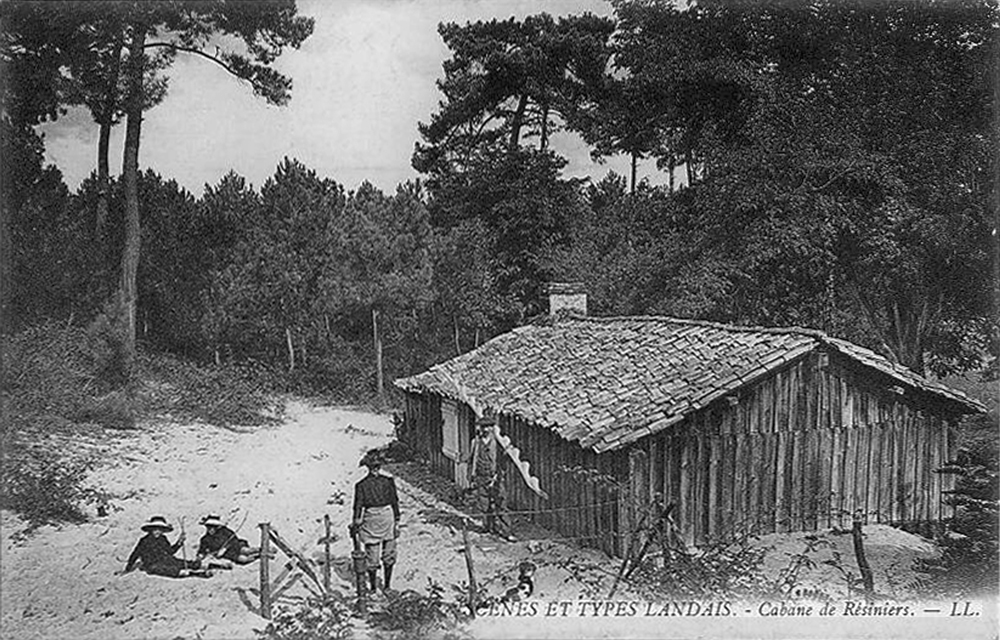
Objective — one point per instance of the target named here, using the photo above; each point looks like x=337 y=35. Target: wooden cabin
x=605 y=421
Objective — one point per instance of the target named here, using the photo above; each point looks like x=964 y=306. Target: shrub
x=970 y=558
x=318 y=618
x=107 y=344
x=224 y=395
x=719 y=569
x=115 y=410
x=413 y=615
x=52 y=373
x=45 y=489
x=47 y=371
x=49 y=382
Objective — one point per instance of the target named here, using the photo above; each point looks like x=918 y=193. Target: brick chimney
x=568 y=297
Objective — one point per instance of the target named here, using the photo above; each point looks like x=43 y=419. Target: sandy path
x=60 y=582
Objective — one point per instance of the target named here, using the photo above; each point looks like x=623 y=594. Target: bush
x=47 y=371
x=115 y=410
x=53 y=374
x=49 y=383
x=224 y=395
x=719 y=569
x=45 y=489
x=970 y=559
x=107 y=343
x=413 y=615
x=316 y=619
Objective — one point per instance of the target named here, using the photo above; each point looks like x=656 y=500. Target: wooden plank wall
x=806 y=448
x=579 y=505
x=423 y=432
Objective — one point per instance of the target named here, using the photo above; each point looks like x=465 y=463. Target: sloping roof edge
x=455 y=390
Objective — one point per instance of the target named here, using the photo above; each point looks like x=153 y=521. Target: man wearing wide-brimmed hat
x=376 y=519
x=155 y=554
x=220 y=547
x=485 y=482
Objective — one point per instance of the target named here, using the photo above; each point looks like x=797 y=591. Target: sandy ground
x=60 y=582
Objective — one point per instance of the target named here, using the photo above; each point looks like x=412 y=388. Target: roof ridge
x=807 y=331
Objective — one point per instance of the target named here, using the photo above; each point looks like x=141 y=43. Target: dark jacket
x=375 y=491
x=483 y=462
x=222 y=539
x=156 y=554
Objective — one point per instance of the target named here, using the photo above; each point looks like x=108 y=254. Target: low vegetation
x=328 y=618
x=411 y=615
x=44 y=488
x=970 y=562
x=61 y=381
x=405 y=615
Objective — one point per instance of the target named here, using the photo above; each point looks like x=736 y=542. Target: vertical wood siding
x=423 y=432
x=810 y=447
x=580 y=504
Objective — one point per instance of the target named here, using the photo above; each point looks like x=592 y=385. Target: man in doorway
x=484 y=476
x=376 y=519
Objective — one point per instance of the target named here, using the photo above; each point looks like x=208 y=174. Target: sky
x=362 y=82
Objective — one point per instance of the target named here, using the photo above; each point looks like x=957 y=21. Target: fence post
x=265 y=569
x=470 y=568
x=326 y=553
x=859 y=553
x=360 y=569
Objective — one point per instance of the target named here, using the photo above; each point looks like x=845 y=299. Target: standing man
x=376 y=519
x=484 y=476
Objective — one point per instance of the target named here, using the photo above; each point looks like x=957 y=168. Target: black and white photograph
x=462 y=319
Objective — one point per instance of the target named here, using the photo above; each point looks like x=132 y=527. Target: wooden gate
x=298 y=567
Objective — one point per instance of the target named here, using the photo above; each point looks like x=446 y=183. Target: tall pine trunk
x=516 y=121
x=635 y=159
x=103 y=142
x=377 y=339
x=6 y=264
x=130 y=179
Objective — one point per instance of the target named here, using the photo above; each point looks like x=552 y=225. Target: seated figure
x=220 y=548
x=154 y=554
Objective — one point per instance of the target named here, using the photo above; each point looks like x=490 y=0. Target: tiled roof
x=606 y=382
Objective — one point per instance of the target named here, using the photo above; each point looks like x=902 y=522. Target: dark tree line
x=109 y=57
x=825 y=164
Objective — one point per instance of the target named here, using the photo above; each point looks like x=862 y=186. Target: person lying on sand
x=154 y=554
x=220 y=547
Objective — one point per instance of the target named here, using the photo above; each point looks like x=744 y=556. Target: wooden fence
x=297 y=567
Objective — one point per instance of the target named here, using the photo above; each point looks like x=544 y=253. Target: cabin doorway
x=457 y=431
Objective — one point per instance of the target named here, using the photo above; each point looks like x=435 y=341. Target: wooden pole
x=291 y=349
x=859 y=553
x=265 y=569
x=470 y=568
x=358 y=556
x=377 y=339
x=326 y=553
x=625 y=563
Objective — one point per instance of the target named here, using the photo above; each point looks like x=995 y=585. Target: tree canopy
x=840 y=161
